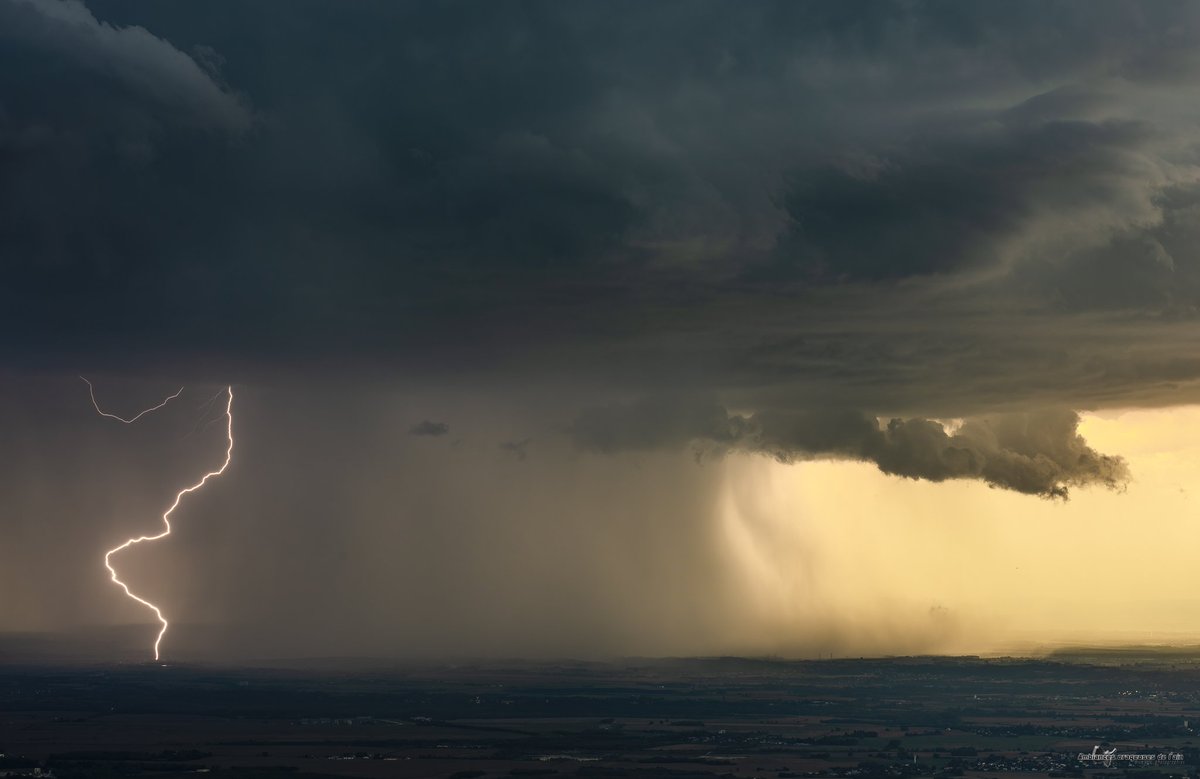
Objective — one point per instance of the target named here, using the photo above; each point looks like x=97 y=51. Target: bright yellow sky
x=882 y=564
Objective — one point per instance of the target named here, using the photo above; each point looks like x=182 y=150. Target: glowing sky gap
x=166 y=517
x=131 y=420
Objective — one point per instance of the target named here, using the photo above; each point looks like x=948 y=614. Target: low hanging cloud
x=1036 y=453
x=427 y=428
x=518 y=449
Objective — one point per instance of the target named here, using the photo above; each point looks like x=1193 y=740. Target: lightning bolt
x=166 y=517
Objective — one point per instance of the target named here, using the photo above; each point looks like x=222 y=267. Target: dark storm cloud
x=136 y=69
x=923 y=210
x=968 y=200
x=1036 y=453
x=428 y=428
x=1143 y=268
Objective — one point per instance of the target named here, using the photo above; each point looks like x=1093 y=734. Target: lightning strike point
x=166 y=517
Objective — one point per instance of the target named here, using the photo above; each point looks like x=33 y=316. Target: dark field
x=634 y=718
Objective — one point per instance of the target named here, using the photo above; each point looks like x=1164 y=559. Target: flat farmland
x=716 y=717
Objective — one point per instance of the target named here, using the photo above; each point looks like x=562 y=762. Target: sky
x=595 y=329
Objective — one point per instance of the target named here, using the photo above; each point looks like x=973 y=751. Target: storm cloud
x=1036 y=453
x=911 y=208
x=149 y=70
x=550 y=190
